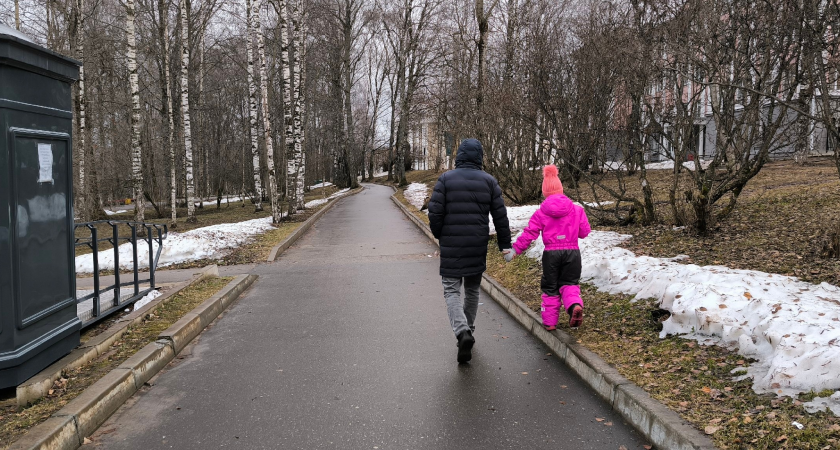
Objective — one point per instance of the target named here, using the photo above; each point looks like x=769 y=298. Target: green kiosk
x=38 y=323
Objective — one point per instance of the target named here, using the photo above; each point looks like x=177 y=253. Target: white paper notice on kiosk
x=45 y=163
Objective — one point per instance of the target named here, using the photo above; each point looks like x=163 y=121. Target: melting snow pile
x=416 y=194
x=321 y=201
x=320 y=185
x=212 y=242
x=111 y=213
x=224 y=201
x=153 y=294
x=518 y=216
x=792 y=328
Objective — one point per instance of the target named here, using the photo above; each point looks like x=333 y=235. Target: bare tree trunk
x=298 y=53
x=201 y=114
x=483 y=27
x=185 y=112
x=136 y=151
x=163 y=12
x=17 y=15
x=252 y=113
x=84 y=207
x=286 y=38
x=269 y=147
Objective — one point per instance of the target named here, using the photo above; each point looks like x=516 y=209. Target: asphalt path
x=344 y=343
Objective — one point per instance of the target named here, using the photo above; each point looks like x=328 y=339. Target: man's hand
x=509 y=254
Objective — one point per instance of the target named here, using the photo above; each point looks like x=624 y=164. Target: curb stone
x=68 y=427
x=663 y=427
x=281 y=247
x=39 y=385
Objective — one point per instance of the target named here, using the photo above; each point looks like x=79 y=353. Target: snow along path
x=416 y=194
x=321 y=201
x=211 y=242
x=791 y=327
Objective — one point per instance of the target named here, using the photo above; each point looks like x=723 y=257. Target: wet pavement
x=344 y=343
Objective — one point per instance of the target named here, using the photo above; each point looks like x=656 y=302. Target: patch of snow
x=819 y=404
x=416 y=194
x=518 y=216
x=320 y=185
x=792 y=328
x=597 y=204
x=111 y=213
x=211 y=242
x=225 y=201
x=153 y=294
x=321 y=201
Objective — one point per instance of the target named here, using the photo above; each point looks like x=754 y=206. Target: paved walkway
x=344 y=343
x=163 y=276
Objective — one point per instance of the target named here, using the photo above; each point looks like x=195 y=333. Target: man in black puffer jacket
x=458 y=216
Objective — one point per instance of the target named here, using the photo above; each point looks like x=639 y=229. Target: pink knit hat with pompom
x=551 y=182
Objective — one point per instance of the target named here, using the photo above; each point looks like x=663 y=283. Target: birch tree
x=185 y=112
x=269 y=147
x=298 y=56
x=79 y=26
x=286 y=73
x=134 y=85
x=168 y=106
x=252 y=113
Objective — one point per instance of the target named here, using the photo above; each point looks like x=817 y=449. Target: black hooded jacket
x=458 y=214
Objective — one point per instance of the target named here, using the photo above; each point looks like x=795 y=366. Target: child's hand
x=509 y=254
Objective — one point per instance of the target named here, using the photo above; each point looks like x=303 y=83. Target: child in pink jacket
x=561 y=223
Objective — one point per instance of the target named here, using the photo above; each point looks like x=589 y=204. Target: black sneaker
x=465 y=344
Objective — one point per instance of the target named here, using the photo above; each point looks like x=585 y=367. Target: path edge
x=67 y=428
x=663 y=427
x=289 y=241
x=39 y=384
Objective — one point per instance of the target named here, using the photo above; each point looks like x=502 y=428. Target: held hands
x=509 y=254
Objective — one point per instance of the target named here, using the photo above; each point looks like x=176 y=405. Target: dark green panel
x=38 y=323
x=42 y=231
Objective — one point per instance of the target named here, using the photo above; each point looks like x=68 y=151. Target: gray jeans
x=461 y=314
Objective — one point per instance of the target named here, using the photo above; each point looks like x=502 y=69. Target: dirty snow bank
x=211 y=242
x=792 y=328
x=416 y=194
x=321 y=201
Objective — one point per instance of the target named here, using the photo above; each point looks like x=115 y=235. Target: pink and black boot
x=550 y=311
x=573 y=304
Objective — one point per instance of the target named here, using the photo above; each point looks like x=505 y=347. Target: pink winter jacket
x=561 y=222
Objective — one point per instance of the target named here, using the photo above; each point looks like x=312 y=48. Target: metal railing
x=113 y=294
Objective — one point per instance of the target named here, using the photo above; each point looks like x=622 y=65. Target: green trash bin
x=38 y=323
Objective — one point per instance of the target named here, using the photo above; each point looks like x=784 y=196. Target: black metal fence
x=91 y=306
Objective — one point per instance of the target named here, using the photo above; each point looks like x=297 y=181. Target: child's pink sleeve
x=531 y=232
x=583 y=229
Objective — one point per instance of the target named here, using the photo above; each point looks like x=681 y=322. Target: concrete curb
x=663 y=427
x=68 y=427
x=281 y=247
x=39 y=385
